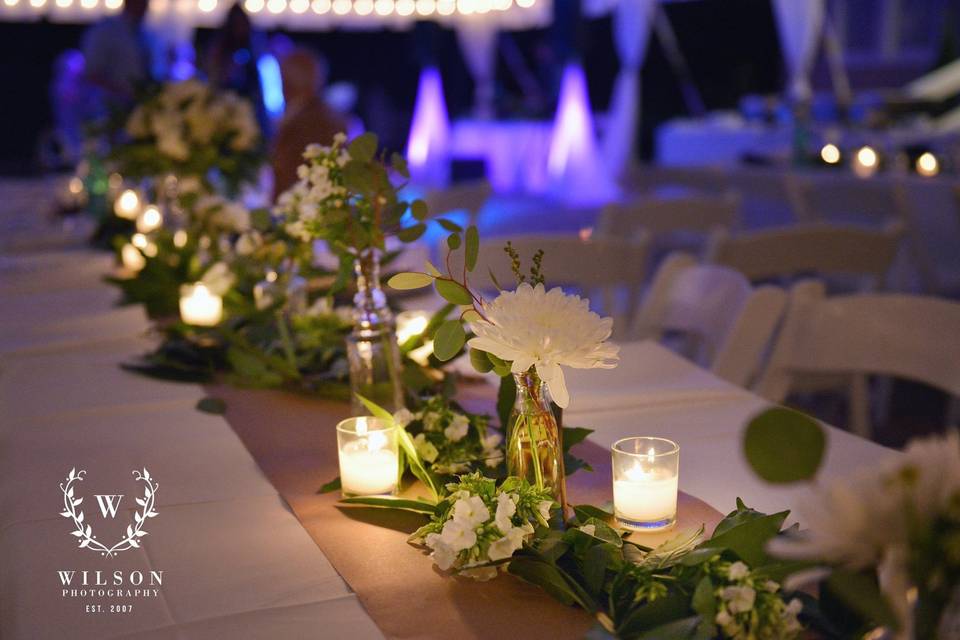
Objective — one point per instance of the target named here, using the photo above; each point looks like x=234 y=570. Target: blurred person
x=117 y=52
x=307 y=118
x=231 y=61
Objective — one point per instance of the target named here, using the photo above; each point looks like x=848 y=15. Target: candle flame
x=650 y=455
x=636 y=474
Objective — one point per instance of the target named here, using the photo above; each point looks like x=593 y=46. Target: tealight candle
x=150 y=219
x=645 y=476
x=414 y=323
x=127 y=205
x=131 y=258
x=200 y=307
x=369 y=460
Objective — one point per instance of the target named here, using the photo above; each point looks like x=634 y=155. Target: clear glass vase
x=534 y=445
x=372 y=349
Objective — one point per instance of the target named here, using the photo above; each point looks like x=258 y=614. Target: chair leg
x=860 y=406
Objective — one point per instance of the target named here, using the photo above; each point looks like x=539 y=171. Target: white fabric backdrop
x=800 y=23
x=632 y=21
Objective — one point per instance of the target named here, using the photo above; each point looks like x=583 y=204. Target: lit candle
x=645 y=480
x=200 y=307
x=369 y=461
x=414 y=323
x=150 y=219
x=131 y=258
x=127 y=205
x=830 y=153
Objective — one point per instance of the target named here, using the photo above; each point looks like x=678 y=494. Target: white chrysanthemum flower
x=533 y=327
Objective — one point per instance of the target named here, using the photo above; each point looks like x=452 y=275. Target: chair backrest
x=663 y=215
x=818 y=248
x=612 y=266
x=843 y=197
x=729 y=322
x=906 y=336
x=463 y=196
x=643 y=178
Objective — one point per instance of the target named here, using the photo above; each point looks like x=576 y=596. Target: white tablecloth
x=236 y=562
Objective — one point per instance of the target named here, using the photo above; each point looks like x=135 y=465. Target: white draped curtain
x=478 y=43
x=632 y=23
x=800 y=23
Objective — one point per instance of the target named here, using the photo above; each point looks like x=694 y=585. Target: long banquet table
x=247 y=547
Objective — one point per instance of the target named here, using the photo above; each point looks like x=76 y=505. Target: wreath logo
x=84 y=532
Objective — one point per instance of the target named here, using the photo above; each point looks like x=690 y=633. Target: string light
x=254 y=6
x=830 y=153
x=341 y=7
x=426 y=7
x=63 y=4
x=207 y=5
x=320 y=6
x=446 y=7
x=405 y=7
x=113 y=4
x=363 y=7
x=11 y=3
x=525 y=4
x=37 y=4
x=927 y=165
x=383 y=7
x=276 y=6
x=88 y=4
x=299 y=6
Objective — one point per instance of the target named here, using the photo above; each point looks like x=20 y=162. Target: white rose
x=457 y=429
x=458 y=537
x=471 y=512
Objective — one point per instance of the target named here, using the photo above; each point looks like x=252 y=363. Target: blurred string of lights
x=865 y=161
x=294 y=14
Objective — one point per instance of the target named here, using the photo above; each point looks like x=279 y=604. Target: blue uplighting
x=271 y=84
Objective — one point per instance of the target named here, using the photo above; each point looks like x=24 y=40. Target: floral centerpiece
x=186 y=129
x=346 y=196
x=528 y=335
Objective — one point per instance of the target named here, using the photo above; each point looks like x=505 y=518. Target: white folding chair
x=611 y=266
x=699 y=213
x=912 y=337
x=464 y=196
x=845 y=198
x=726 y=324
x=643 y=178
x=813 y=249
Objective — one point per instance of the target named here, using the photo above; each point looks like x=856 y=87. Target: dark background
x=731 y=47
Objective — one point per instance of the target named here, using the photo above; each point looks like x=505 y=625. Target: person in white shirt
x=117 y=54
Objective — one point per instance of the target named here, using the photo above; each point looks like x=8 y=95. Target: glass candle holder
x=645 y=474
x=369 y=458
x=199 y=306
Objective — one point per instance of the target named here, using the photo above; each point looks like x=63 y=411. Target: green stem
x=286 y=341
x=534 y=456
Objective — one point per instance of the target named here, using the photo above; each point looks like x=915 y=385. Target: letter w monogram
x=109 y=504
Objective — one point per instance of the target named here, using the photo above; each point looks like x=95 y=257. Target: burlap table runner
x=293 y=439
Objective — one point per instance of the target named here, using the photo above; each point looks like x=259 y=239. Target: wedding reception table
x=247 y=546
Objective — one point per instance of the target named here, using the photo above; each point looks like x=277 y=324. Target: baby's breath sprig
x=514 y=262
x=536 y=271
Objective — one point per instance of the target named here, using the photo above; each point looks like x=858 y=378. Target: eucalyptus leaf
x=471 y=315
x=410 y=280
x=500 y=367
x=418 y=208
x=448 y=340
x=472 y=247
x=449 y=225
x=749 y=539
x=506 y=396
x=481 y=363
x=783 y=445
x=453 y=241
x=399 y=164
x=411 y=233
x=452 y=291
x=432 y=269
x=363 y=147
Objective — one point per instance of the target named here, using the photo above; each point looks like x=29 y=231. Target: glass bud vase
x=372 y=349
x=534 y=446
